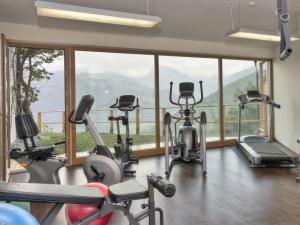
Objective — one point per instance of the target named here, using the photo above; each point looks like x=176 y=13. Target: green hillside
x=230 y=90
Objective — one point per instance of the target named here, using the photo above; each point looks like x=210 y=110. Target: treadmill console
x=253 y=94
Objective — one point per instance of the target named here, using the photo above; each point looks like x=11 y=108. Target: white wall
x=287 y=93
x=39 y=34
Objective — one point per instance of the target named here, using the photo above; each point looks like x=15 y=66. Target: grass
x=85 y=142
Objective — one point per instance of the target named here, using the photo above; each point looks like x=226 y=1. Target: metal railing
x=42 y=122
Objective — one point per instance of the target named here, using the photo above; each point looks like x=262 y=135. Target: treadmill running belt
x=266 y=149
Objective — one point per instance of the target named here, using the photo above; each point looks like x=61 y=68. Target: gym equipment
x=120 y=198
x=283 y=29
x=108 y=171
x=185 y=147
x=75 y=212
x=39 y=160
x=95 y=169
x=13 y=215
x=263 y=151
x=123 y=151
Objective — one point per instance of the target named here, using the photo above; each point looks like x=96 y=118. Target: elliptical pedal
x=193 y=153
x=180 y=145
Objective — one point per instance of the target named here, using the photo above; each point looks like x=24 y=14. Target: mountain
x=52 y=94
x=107 y=86
x=230 y=89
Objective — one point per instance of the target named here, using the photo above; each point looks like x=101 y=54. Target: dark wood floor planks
x=232 y=194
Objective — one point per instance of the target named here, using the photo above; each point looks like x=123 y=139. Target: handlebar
x=115 y=105
x=60 y=143
x=276 y=105
x=113 y=118
x=75 y=121
x=162 y=185
x=124 y=108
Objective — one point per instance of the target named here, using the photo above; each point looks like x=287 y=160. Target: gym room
x=158 y=112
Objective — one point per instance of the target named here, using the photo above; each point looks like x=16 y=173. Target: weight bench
x=120 y=197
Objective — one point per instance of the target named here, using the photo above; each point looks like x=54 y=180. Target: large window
x=36 y=84
x=239 y=76
x=188 y=69
x=107 y=76
x=37 y=79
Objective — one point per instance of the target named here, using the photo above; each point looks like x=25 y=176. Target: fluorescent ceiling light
x=257 y=35
x=64 y=11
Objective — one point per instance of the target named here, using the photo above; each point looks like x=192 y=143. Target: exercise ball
x=14 y=215
x=75 y=212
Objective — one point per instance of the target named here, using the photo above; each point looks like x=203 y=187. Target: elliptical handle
x=201 y=93
x=137 y=104
x=171 y=94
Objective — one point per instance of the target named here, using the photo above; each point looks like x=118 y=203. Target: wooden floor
x=232 y=193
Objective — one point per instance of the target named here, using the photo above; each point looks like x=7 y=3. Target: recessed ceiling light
x=251 y=4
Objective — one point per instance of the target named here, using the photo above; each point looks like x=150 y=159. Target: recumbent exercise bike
x=185 y=147
x=40 y=161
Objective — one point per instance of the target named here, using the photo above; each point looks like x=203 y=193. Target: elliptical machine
x=185 y=147
x=123 y=151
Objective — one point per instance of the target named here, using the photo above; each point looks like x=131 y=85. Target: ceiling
x=206 y=20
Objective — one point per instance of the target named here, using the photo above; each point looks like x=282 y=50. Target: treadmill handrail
x=245 y=99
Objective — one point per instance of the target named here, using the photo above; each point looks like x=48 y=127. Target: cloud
x=137 y=65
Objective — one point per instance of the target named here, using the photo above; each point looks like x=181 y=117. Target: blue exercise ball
x=14 y=215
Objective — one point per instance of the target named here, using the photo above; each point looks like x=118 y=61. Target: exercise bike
x=185 y=147
x=123 y=151
x=95 y=168
x=40 y=161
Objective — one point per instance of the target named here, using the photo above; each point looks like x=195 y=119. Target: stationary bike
x=39 y=160
x=123 y=151
x=185 y=147
x=95 y=168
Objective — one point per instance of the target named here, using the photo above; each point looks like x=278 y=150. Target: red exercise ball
x=74 y=212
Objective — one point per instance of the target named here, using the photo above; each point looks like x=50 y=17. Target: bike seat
x=128 y=190
x=44 y=148
x=41 y=152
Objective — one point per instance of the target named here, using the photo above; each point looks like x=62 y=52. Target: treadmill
x=263 y=151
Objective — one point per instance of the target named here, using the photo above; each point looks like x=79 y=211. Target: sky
x=136 y=65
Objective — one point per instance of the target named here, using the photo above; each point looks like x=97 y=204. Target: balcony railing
x=57 y=118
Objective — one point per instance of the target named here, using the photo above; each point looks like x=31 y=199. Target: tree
x=251 y=112
x=29 y=69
